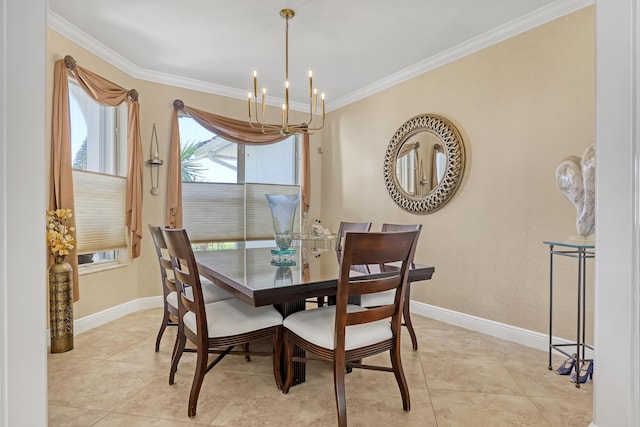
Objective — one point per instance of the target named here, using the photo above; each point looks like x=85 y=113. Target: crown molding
x=496 y=35
x=73 y=33
x=530 y=21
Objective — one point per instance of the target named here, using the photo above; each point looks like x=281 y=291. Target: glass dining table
x=260 y=278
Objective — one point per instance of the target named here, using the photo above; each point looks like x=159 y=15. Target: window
x=99 y=188
x=224 y=183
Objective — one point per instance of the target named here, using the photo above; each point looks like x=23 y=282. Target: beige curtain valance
x=61 y=187
x=232 y=130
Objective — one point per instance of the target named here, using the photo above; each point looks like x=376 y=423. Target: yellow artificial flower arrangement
x=59 y=236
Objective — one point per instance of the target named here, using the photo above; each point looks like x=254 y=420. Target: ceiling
x=355 y=47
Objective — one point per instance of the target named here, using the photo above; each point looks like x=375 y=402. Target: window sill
x=82 y=270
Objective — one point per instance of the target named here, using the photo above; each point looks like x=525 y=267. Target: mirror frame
x=446 y=188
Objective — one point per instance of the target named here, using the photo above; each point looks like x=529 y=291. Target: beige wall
x=140 y=278
x=521 y=106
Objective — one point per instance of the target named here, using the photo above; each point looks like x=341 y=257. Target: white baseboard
x=506 y=332
x=105 y=316
x=87 y=323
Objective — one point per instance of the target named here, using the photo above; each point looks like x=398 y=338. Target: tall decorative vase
x=61 y=305
x=283 y=209
x=283 y=277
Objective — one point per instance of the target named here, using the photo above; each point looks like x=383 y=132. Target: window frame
x=118 y=121
x=241 y=165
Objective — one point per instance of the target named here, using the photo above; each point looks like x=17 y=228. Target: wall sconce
x=154 y=162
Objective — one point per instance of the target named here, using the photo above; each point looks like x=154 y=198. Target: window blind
x=213 y=212
x=218 y=212
x=100 y=211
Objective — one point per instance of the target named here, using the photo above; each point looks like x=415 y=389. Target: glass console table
x=581 y=252
x=317 y=242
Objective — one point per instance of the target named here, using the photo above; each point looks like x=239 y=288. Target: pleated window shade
x=100 y=211
x=216 y=212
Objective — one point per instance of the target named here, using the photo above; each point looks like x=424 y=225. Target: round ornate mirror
x=424 y=163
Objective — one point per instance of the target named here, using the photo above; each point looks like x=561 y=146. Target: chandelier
x=256 y=109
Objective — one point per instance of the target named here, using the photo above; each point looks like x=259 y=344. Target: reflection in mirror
x=424 y=163
x=420 y=164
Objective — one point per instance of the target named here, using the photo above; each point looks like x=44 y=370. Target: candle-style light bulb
x=264 y=95
x=322 y=105
x=249 y=103
x=310 y=82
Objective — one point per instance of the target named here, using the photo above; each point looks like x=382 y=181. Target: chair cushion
x=318 y=327
x=378 y=299
x=210 y=291
x=234 y=317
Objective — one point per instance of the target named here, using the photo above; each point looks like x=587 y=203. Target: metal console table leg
x=582 y=252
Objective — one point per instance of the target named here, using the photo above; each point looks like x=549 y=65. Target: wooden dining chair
x=342 y=230
x=346 y=333
x=211 y=291
x=349 y=226
x=382 y=298
x=215 y=327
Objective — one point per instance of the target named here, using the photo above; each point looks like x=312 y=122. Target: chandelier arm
x=310 y=111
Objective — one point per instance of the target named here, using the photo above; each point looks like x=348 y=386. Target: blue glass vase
x=283 y=210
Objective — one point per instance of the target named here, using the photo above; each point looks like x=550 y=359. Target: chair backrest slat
x=371 y=315
x=400 y=227
x=360 y=287
x=386 y=227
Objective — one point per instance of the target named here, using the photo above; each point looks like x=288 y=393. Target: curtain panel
x=232 y=130
x=62 y=192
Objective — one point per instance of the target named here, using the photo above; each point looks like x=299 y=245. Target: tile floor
x=458 y=377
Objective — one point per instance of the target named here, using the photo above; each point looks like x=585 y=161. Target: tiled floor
x=458 y=377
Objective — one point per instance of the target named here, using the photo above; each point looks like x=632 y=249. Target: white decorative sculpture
x=575 y=178
x=317 y=230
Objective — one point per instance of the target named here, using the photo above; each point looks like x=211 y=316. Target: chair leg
x=288 y=354
x=338 y=384
x=412 y=333
x=406 y=314
x=198 y=377
x=178 y=349
x=247 y=355
x=163 y=326
x=277 y=357
x=396 y=363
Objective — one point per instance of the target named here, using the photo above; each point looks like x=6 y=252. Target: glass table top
x=570 y=243
x=253 y=276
